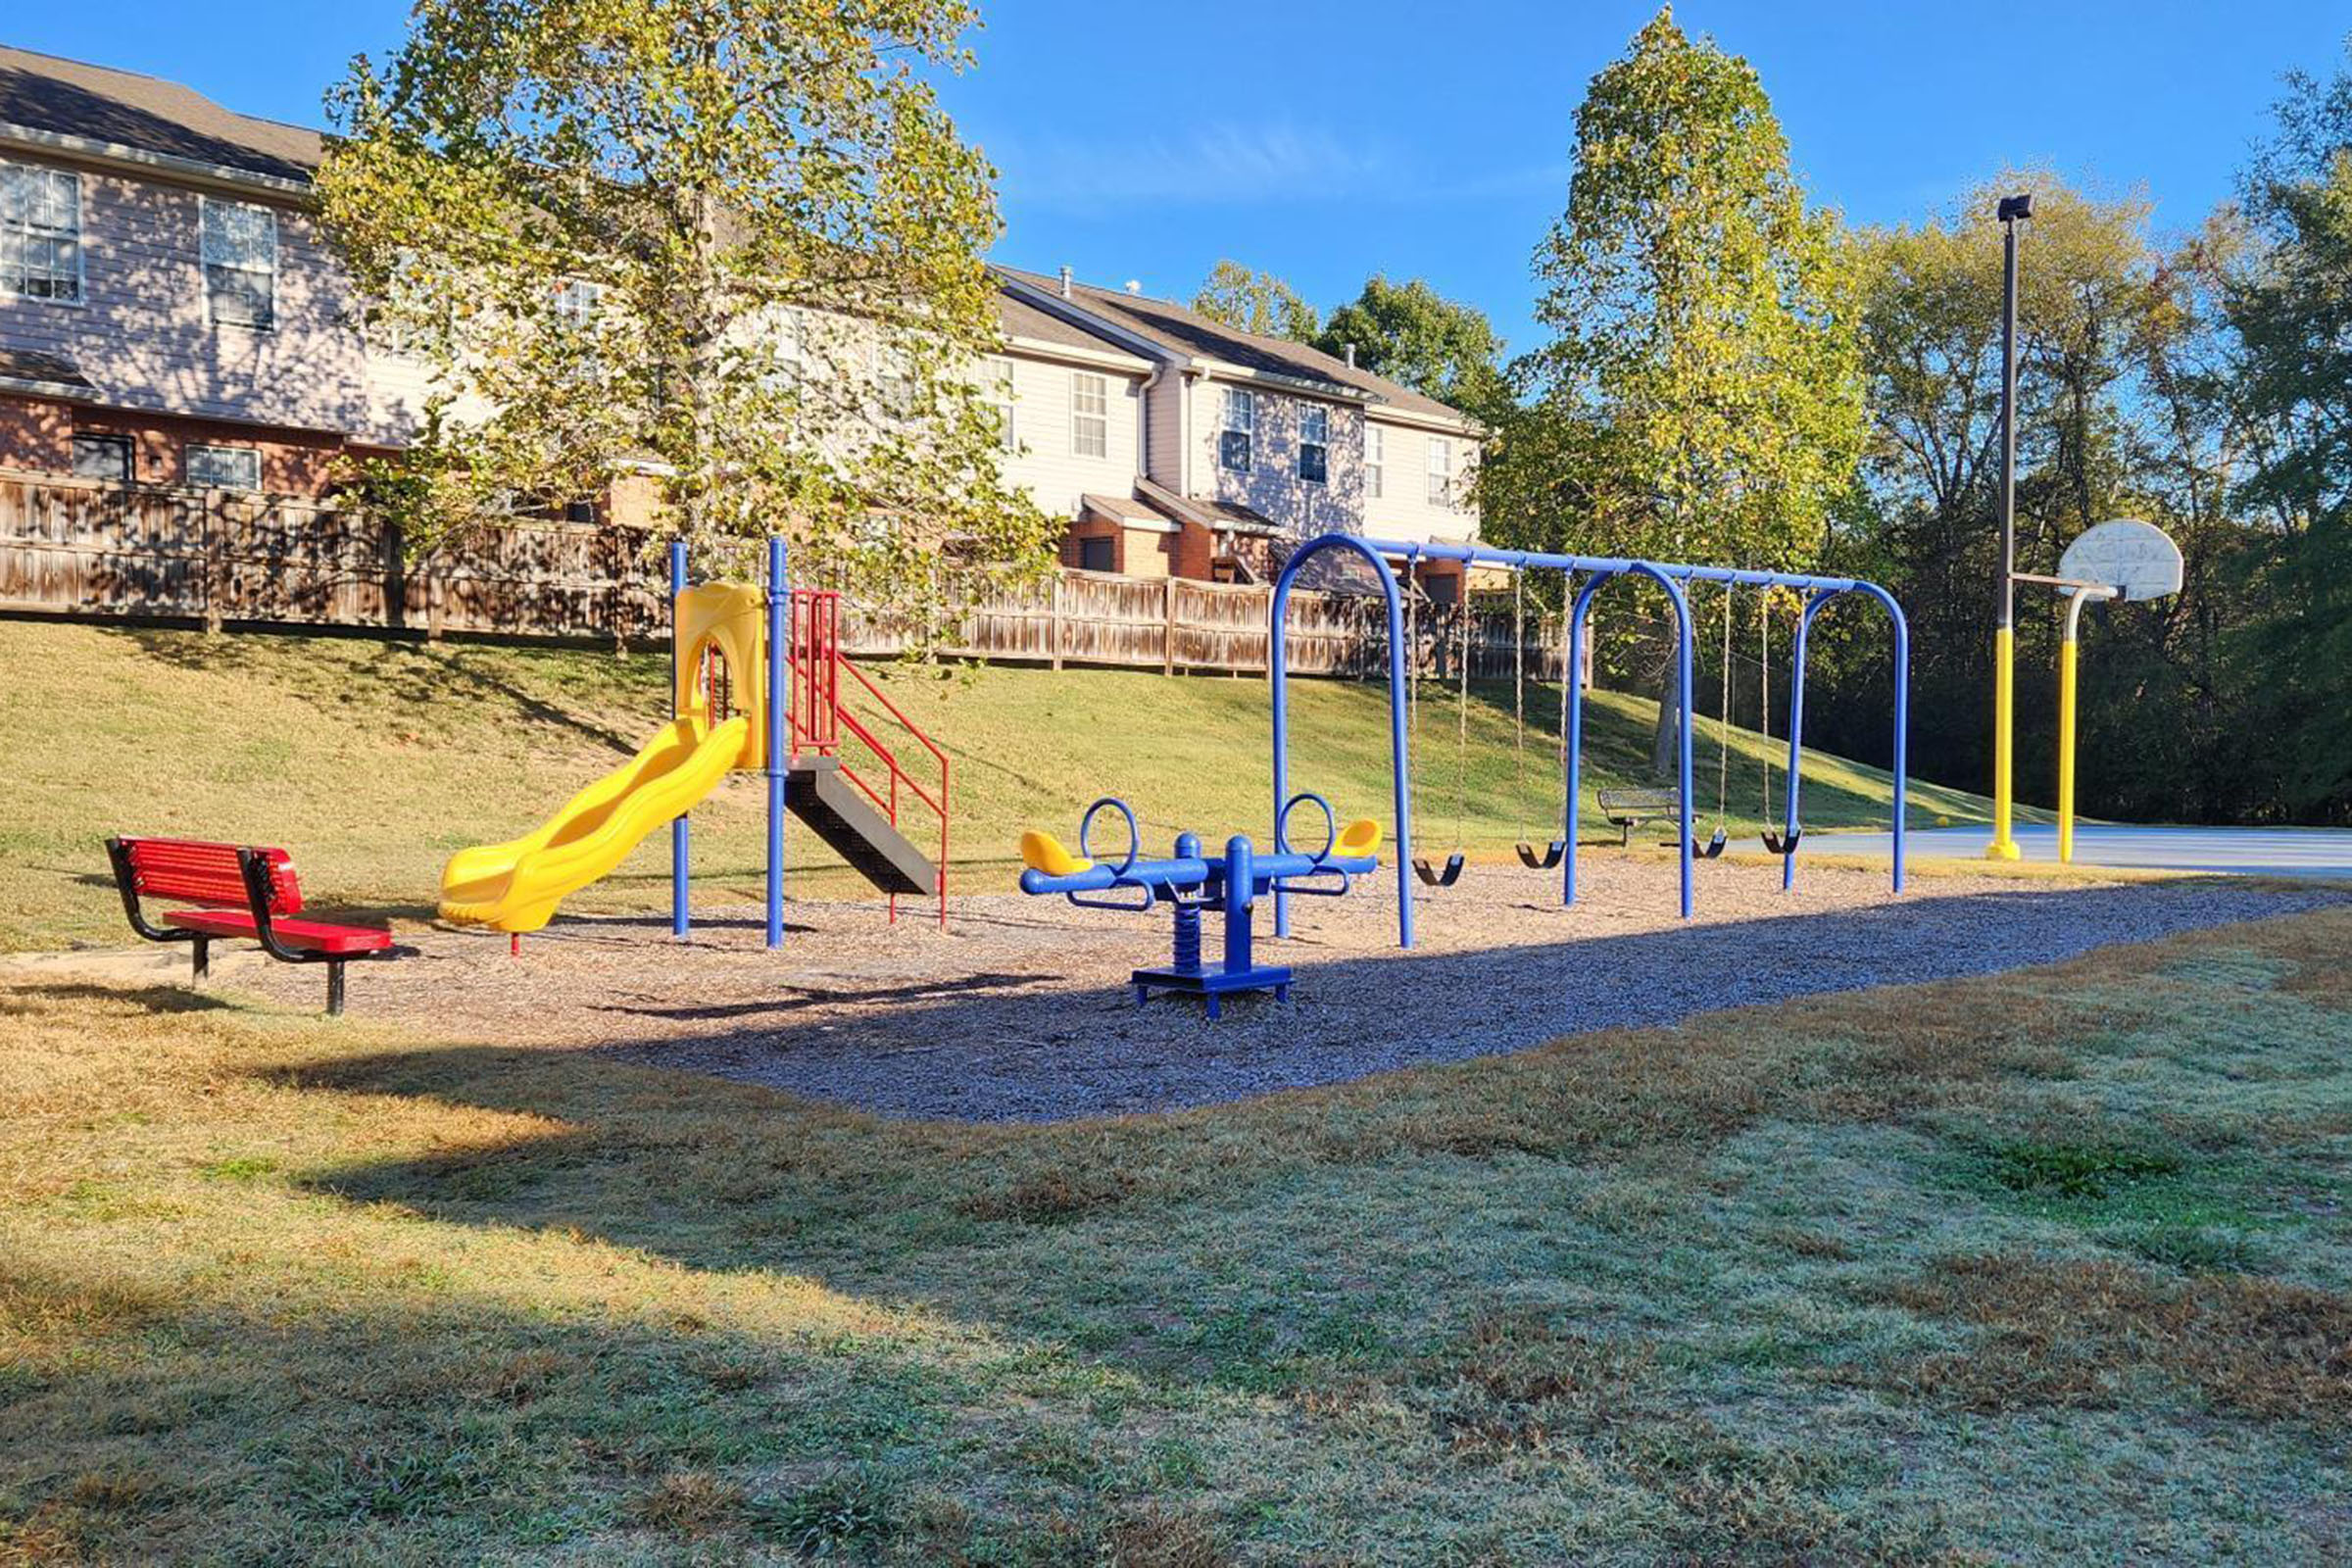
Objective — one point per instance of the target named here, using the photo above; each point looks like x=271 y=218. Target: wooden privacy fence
x=93 y=548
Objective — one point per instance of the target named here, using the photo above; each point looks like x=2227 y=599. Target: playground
x=1019 y=1010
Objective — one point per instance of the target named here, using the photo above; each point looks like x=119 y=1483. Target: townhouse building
x=170 y=315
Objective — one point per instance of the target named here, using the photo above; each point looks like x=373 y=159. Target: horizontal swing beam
x=1611 y=565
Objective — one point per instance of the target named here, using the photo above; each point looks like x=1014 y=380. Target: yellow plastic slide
x=517 y=885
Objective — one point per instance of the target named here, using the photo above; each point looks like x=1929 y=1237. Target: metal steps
x=840 y=813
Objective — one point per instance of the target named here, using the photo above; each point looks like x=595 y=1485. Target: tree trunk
x=1663 y=748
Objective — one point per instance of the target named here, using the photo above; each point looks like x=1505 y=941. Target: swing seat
x=1542 y=860
x=1712 y=849
x=1774 y=844
x=1436 y=878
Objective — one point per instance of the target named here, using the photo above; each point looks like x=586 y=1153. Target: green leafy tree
x=2291 y=308
x=2123 y=409
x=1700 y=395
x=1415 y=336
x=733 y=245
x=1257 y=302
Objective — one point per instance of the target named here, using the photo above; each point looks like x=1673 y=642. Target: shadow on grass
x=162 y=999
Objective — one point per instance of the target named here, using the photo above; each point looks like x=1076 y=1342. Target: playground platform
x=2297 y=852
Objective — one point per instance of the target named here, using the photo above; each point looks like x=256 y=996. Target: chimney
x=1352 y=356
x=1065 y=283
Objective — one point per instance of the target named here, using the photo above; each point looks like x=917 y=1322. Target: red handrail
x=818 y=719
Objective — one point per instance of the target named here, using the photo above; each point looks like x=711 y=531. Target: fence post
x=215 y=561
x=1167 y=647
x=1053 y=622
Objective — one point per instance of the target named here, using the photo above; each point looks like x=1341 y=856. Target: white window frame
x=1320 y=440
x=1002 y=398
x=894 y=381
x=1090 y=415
x=1439 y=487
x=1376 y=461
x=205 y=206
x=187 y=459
x=1242 y=401
x=25 y=232
x=577 y=302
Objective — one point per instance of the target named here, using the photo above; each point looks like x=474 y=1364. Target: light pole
x=2013 y=211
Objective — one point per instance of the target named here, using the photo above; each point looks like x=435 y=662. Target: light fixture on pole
x=2013 y=211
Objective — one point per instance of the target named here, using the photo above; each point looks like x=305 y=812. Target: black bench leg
x=1625 y=835
x=201 y=951
x=334 y=989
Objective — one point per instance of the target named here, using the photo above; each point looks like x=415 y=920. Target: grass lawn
x=376 y=760
x=2052 y=1267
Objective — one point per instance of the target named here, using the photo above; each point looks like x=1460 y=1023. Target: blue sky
x=1327 y=141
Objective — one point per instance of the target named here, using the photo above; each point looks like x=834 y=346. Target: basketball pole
x=2003 y=846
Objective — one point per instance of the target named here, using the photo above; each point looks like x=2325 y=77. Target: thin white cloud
x=1223 y=164
x=1228 y=164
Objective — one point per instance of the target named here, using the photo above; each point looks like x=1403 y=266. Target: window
x=1099 y=553
x=894 y=378
x=103 y=457
x=1440 y=471
x=999 y=389
x=1314 y=444
x=576 y=304
x=225 y=468
x=240 y=263
x=41 y=232
x=1090 y=415
x=1376 y=461
x=1239 y=431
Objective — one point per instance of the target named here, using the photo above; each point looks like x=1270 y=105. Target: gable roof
x=1188 y=332
x=1021 y=319
x=108 y=109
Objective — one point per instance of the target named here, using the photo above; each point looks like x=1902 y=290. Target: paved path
x=2314 y=852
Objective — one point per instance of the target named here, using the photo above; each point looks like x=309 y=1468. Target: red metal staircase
x=844 y=781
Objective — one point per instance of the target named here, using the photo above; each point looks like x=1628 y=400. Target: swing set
x=1584 y=577
x=1782 y=841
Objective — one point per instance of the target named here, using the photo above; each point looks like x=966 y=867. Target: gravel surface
x=1020 y=1011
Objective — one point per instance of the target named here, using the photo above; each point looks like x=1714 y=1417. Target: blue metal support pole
x=1576 y=710
x=1576 y=733
x=1901 y=626
x=680 y=835
x=1278 y=675
x=1797 y=731
x=779 y=733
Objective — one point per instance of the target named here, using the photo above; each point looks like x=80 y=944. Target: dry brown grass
x=2073 y=1332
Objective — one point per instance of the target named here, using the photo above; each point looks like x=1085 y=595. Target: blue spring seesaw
x=1192 y=882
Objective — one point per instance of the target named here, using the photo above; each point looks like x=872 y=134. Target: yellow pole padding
x=2066 y=746
x=2004 y=696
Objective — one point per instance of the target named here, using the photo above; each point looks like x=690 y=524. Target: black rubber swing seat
x=1774 y=844
x=1710 y=851
x=1536 y=859
x=1436 y=878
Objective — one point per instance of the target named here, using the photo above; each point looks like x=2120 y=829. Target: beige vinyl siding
x=141 y=334
x=1164 y=430
x=1272 y=487
x=1046 y=460
x=1404 y=511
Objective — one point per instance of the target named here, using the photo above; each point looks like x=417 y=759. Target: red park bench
x=235 y=892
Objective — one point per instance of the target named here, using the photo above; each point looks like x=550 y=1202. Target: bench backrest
x=1639 y=800
x=194 y=872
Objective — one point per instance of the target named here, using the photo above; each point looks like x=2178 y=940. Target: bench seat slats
x=312 y=936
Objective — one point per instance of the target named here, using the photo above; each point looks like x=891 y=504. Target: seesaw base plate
x=1210 y=984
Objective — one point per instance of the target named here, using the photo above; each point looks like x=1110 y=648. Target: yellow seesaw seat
x=1043 y=852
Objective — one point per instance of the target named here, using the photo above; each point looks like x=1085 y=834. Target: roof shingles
x=1185 y=331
